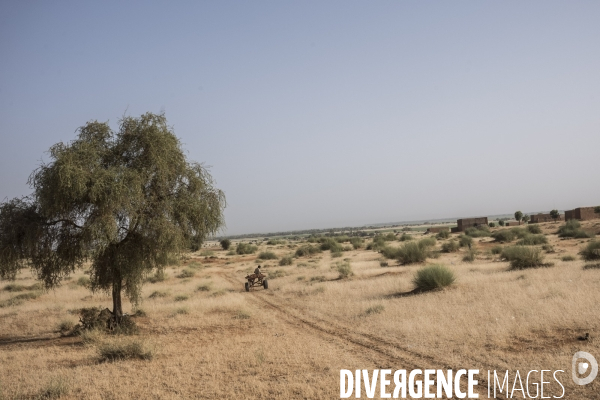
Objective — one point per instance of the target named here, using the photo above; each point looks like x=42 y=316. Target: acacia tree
x=554 y=214
x=125 y=201
x=519 y=216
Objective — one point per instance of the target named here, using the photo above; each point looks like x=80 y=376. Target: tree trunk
x=116 y=295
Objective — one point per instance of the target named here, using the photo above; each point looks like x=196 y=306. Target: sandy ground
x=211 y=339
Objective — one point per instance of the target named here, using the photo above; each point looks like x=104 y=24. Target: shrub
x=548 y=248
x=275 y=242
x=572 y=229
x=204 y=287
x=427 y=242
x=390 y=252
x=535 y=229
x=492 y=224
x=433 y=277
x=182 y=310
x=245 y=248
x=288 y=260
x=568 y=257
x=383 y=264
x=158 y=294
x=357 y=242
x=159 y=276
x=592 y=266
x=465 y=241
x=470 y=255
x=344 y=269
x=504 y=236
x=336 y=254
x=182 y=297
x=496 y=250
x=66 y=326
x=532 y=240
x=331 y=244
x=451 y=246
x=319 y=278
x=225 y=244
x=405 y=237
x=186 y=273
x=267 y=255
x=522 y=257
x=374 y=310
x=54 y=389
x=84 y=281
x=307 y=250
x=277 y=274
x=445 y=234
x=14 y=287
x=412 y=252
x=520 y=232
x=591 y=252
x=478 y=231
x=125 y=350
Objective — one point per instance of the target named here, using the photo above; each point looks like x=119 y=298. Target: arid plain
x=209 y=338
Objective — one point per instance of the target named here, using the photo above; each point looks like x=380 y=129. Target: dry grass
x=291 y=340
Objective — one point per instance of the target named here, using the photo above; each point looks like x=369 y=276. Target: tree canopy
x=126 y=201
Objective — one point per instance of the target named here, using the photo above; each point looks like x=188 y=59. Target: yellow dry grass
x=291 y=340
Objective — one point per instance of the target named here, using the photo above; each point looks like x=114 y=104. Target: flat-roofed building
x=464 y=223
x=581 y=213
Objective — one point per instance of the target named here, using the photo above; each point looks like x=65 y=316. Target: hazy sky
x=317 y=114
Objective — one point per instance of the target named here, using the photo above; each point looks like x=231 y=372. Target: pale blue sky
x=318 y=114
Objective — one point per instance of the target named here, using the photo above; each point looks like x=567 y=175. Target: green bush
x=433 y=277
x=568 y=257
x=159 y=276
x=158 y=294
x=535 y=229
x=245 y=248
x=390 y=252
x=331 y=244
x=591 y=252
x=225 y=244
x=592 y=266
x=307 y=250
x=374 y=310
x=427 y=242
x=405 y=237
x=84 y=281
x=572 y=229
x=504 y=236
x=275 y=242
x=450 y=246
x=445 y=234
x=267 y=255
x=520 y=232
x=344 y=269
x=412 y=252
x=357 y=242
x=496 y=250
x=522 y=257
x=532 y=240
x=479 y=231
x=288 y=260
x=186 y=273
x=470 y=255
x=465 y=241
x=548 y=248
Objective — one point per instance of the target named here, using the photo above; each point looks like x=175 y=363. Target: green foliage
x=518 y=216
x=357 y=242
x=496 y=250
x=267 y=255
x=275 y=242
x=307 y=250
x=572 y=229
x=522 y=257
x=413 y=252
x=592 y=266
x=568 y=257
x=127 y=201
x=532 y=240
x=331 y=244
x=225 y=244
x=470 y=255
x=492 y=224
x=597 y=209
x=433 y=277
x=158 y=294
x=548 y=248
x=159 y=276
x=478 y=231
x=428 y=242
x=501 y=222
x=554 y=214
x=186 y=273
x=465 y=241
x=405 y=237
x=445 y=234
x=526 y=218
x=245 y=248
x=535 y=229
x=344 y=269
x=591 y=252
x=450 y=246
x=288 y=260
x=504 y=236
